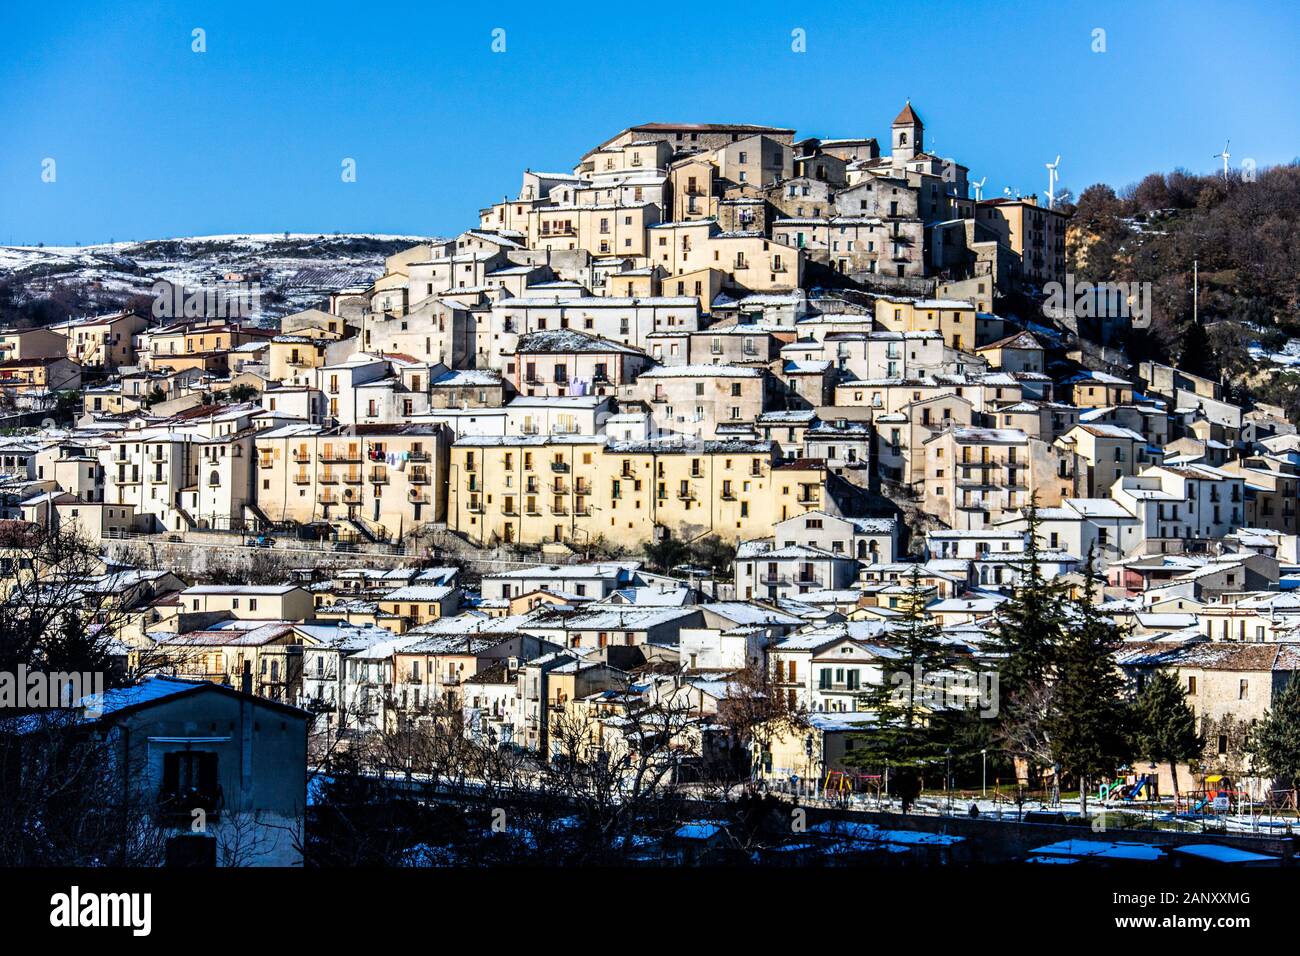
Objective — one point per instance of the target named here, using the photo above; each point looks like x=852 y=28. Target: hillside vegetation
x=1244 y=235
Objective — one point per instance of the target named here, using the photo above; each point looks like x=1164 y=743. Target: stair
x=362 y=530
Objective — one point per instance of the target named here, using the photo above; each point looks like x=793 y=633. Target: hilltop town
x=702 y=432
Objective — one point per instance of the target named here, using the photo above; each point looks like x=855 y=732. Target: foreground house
x=225 y=772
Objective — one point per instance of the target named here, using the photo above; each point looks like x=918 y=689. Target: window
x=188 y=775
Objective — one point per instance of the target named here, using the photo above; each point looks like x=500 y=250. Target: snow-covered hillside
x=293 y=271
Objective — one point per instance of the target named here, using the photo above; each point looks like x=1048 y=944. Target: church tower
x=909 y=134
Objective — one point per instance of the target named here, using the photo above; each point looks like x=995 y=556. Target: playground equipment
x=1217 y=795
x=1120 y=789
x=840 y=781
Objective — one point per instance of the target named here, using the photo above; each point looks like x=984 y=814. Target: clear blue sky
x=152 y=139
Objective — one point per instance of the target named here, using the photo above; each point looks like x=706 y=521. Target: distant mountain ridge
x=43 y=284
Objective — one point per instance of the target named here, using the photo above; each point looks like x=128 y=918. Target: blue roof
x=699 y=830
x=1219 y=853
x=148 y=690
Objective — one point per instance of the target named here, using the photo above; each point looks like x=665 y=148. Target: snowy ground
x=292 y=272
x=1116 y=817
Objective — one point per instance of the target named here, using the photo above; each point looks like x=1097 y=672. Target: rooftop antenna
x=1224 y=156
x=1051 y=182
x=979 y=189
x=1006 y=190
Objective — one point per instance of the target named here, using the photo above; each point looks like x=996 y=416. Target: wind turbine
x=979 y=189
x=1224 y=156
x=1051 y=182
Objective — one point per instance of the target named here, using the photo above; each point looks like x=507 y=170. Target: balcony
x=417 y=496
x=560 y=467
x=561 y=511
x=328 y=496
x=475 y=507
x=340 y=455
x=266 y=461
x=353 y=478
x=328 y=478
x=379 y=476
x=418 y=476
x=181 y=803
x=302 y=478
x=419 y=456
x=302 y=457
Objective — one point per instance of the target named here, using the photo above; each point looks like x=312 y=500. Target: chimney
x=246 y=678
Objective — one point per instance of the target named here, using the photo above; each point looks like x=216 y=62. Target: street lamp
x=984 y=775
x=947 y=776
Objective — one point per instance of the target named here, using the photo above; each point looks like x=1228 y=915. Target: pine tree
x=1195 y=355
x=923 y=653
x=904 y=741
x=1029 y=628
x=1089 y=721
x=1164 y=725
x=1275 y=741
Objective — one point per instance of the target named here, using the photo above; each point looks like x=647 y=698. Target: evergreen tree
x=923 y=653
x=1275 y=741
x=1029 y=628
x=1089 y=720
x=1195 y=356
x=1164 y=725
x=904 y=740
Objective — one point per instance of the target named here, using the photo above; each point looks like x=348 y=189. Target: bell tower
x=909 y=134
